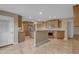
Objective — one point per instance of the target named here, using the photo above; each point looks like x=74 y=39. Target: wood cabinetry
x=76 y=15
x=26 y=26
x=19 y=21
x=54 y=23
x=60 y=35
x=21 y=36
x=41 y=25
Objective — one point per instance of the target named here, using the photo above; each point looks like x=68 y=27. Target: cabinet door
x=76 y=15
x=19 y=21
x=76 y=10
x=76 y=21
x=53 y=23
x=60 y=34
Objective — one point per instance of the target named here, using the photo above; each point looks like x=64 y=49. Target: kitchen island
x=41 y=34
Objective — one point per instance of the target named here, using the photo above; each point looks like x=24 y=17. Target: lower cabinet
x=60 y=34
x=56 y=34
x=21 y=36
x=76 y=30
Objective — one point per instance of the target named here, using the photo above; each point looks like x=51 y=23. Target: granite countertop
x=56 y=29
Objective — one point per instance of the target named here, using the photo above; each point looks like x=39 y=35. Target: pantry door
x=6 y=30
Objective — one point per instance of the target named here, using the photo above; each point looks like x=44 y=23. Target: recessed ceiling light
x=40 y=13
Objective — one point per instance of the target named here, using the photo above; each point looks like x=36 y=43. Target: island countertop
x=54 y=29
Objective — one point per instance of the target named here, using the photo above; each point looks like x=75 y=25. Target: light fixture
x=40 y=13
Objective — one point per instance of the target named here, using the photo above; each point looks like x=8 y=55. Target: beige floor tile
x=51 y=47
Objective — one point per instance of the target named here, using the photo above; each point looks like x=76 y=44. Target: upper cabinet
x=19 y=21
x=49 y=24
x=76 y=15
x=54 y=23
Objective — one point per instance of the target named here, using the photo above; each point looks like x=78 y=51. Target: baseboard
x=5 y=44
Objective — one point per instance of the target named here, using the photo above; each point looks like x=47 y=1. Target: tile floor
x=52 y=47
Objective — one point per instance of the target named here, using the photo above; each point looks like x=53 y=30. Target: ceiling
x=40 y=11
